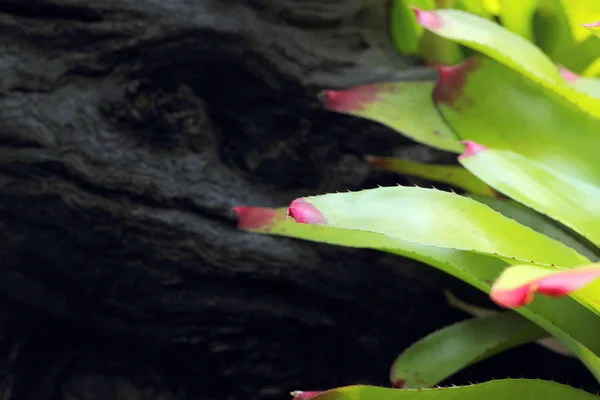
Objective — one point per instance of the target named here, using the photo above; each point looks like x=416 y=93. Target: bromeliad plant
x=525 y=130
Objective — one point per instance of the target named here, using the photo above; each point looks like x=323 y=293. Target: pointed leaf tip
x=428 y=19
x=300 y=395
x=569 y=75
x=471 y=149
x=376 y=162
x=352 y=99
x=517 y=285
x=592 y=25
x=254 y=217
x=305 y=213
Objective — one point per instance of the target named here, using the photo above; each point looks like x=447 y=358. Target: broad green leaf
x=433 y=217
x=512 y=112
x=404 y=106
x=492 y=40
x=453 y=348
x=517 y=285
x=515 y=389
x=454 y=175
x=560 y=317
x=540 y=223
x=507 y=48
x=518 y=17
x=547 y=190
x=590 y=86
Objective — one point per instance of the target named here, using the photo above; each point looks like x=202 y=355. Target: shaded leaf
x=453 y=348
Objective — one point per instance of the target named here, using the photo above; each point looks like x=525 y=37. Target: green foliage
x=529 y=130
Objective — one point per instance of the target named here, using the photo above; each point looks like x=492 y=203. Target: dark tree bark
x=128 y=131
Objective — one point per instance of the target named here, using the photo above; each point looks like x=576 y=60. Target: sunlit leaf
x=450 y=349
x=593 y=27
x=518 y=17
x=590 y=86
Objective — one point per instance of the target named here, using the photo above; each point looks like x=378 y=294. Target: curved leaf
x=434 y=218
x=594 y=27
x=453 y=348
x=516 y=389
x=551 y=192
x=404 y=106
x=405 y=31
x=454 y=175
x=492 y=40
x=560 y=317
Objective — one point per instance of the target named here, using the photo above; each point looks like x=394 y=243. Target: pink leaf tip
x=305 y=213
x=300 y=395
x=569 y=75
x=376 y=162
x=471 y=149
x=428 y=19
x=592 y=25
x=254 y=217
x=557 y=284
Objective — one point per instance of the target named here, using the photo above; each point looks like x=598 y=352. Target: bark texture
x=128 y=130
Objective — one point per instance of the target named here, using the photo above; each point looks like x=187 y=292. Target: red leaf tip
x=300 y=395
x=592 y=25
x=254 y=217
x=471 y=149
x=569 y=75
x=428 y=19
x=376 y=162
x=305 y=213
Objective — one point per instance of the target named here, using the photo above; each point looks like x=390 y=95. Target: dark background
x=128 y=130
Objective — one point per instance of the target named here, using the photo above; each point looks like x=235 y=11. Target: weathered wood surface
x=128 y=130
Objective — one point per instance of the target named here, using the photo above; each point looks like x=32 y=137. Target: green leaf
x=453 y=348
x=404 y=106
x=492 y=40
x=476 y=7
x=560 y=317
x=516 y=389
x=552 y=27
x=581 y=55
x=507 y=48
x=547 y=190
x=513 y=113
x=433 y=217
x=454 y=175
